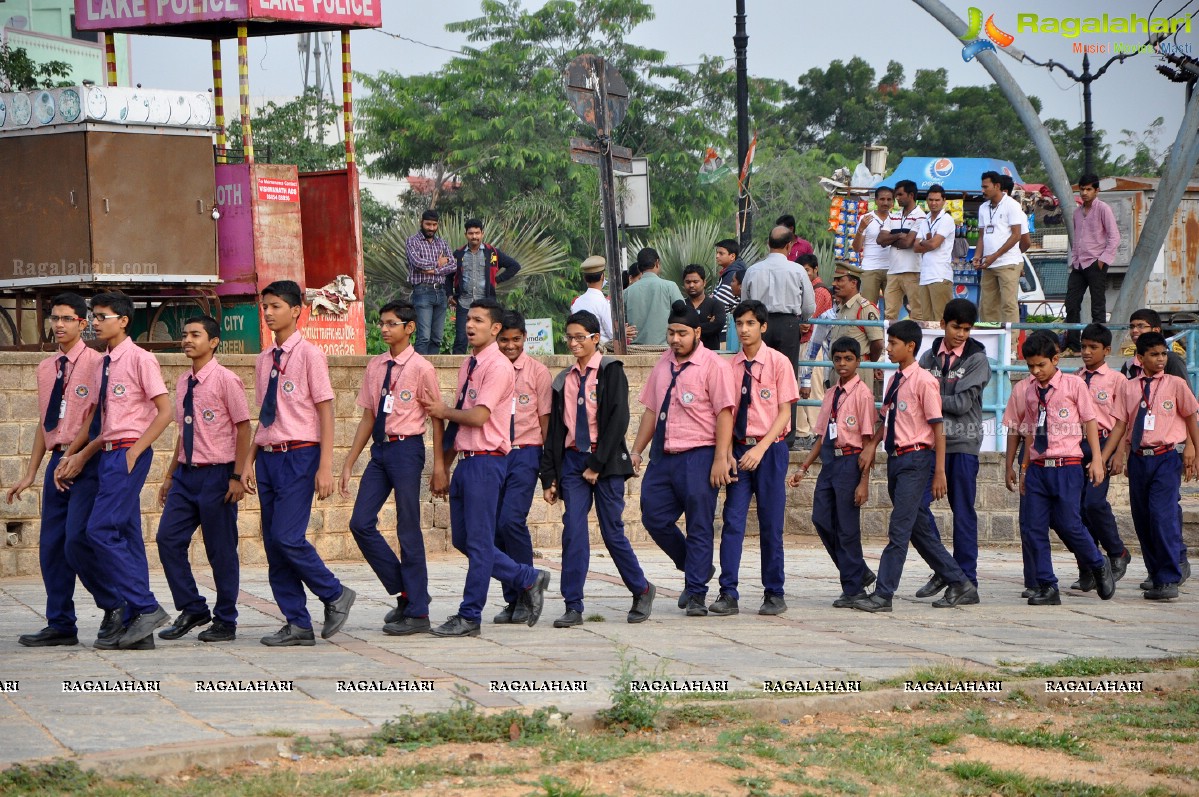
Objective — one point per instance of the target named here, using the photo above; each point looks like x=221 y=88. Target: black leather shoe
x=643 y=605
x=873 y=603
x=695 y=606
x=534 y=597
x=571 y=618
x=1045 y=596
x=1105 y=583
x=142 y=626
x=961 y=593
x=934 y=585
x=48 y=637
x=407 y=626
x=684 y=598
x=870 y=578
x=847 y=601
x=337 y=612
x=398 y=612
x=457 y=625
x=1162 y=592
x=773 y=605
x=218 y=632
x=184 y=623
x=724 y=606
x=1086 y=580
x=1147 y=584
x=113 y=622
x=145 y=643
x=290 y=636
x=505 y=615
x=1185 y=568
x=1120 y=564
x=110 y=642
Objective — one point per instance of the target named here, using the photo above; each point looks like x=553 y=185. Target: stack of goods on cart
x=844 y=213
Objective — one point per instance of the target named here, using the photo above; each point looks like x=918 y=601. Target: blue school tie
x=582 y=429
x=1086 y=377
x=741 y=425
x=1138 y=426
x=658 y=447
x=94 y=431
x=379 y=432
x=54 y=408
x=270 y=402
x=451 y=428
x=889 y=401
x=1040 y=441
x=189 y=420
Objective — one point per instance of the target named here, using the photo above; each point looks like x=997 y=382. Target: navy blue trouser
x=909 y=477
x=1096 y=512
x=394 y=467
x=114 y=529
x=197 y=498
x=286 y=483
x=512 y=515
x=63 y=547
x=961 y=483
x=837 y=519
x=678 y=484
x=577 y=495
x=1153 y=488
x=472 y=530
x=768 y=484
x=1046 y=504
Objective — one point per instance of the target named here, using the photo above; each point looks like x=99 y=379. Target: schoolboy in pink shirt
x=1157 y=411
x=393 y=420
x=689 y=400
x=292 y=458
x=201 y=486
x=479 y=428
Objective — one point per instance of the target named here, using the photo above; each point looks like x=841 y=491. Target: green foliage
x=294 y=133
x=54 y=777
x=692 y=242
x=1014 y=784
x=787 y=181
x=19 y=72
x=557 y=787
x=1087 y=666
x=464 y=723
x=632 y=711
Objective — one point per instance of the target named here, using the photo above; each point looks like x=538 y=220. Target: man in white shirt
x=998 y=255
x=593 y=300
x=935 y=247
x=903 y=276
x=875 y=260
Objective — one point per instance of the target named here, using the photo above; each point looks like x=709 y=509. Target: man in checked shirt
x=430 y=262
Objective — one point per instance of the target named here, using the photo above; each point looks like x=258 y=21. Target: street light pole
x=740 y=46
x=1088 y=126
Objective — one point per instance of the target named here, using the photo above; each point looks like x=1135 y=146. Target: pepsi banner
x=955 y=175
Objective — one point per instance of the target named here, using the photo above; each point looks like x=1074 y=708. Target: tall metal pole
x=740 y=46
x=1088 y=127
x=608 y=196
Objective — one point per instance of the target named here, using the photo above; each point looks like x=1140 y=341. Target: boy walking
x=65 y=383
x=1058 y=413
x=530 y=418
x=585 y=460
x=915 y=446
x=292 y=459
x=961 y=368
x=201 y=487
x=393 y=421
x=480 y=429
x=845 y=422
x=1157 y=411
x=689 y=400
x=760 y=425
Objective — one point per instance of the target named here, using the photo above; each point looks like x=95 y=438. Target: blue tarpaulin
x=956 y=175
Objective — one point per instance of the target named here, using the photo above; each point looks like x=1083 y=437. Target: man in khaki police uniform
x=852 y=306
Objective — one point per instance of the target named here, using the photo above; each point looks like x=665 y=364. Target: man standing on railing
x=1096 y=239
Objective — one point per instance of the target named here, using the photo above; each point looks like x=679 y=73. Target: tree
x=295 y=132
x=19 y=72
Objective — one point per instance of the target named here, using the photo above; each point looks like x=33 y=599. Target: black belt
x=206 y=465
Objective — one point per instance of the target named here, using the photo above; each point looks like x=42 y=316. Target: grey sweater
x=961 y=394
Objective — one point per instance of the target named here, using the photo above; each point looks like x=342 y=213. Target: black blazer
x=610 y=454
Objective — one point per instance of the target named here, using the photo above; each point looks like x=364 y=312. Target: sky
x=786 y=39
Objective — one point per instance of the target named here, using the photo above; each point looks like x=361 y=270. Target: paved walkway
x=811 y=641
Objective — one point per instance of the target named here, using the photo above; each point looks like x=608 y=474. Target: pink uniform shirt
x=532 y=397
x=303 y=383
x=917 y=406
x=491 y=385
x=773 y=381
x=1068 y=406
x=570 y=400
x=81 y=384
x=855 y=413
x=1170 y=401
x=1105 y=386
x=134 y=381
x=1013 y=413
x=704 y=387
x=412 y=378
x=219 y=401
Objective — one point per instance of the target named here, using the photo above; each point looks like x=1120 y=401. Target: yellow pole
x=347 y=95
x=243 y=80
x=110 y=58
x=218 y=94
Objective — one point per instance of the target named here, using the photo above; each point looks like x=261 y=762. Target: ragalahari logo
x=975 y=44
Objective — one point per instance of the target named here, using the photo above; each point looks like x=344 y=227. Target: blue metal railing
x=999 y=391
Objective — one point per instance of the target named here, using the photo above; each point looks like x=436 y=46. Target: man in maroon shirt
x=1096 y=239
